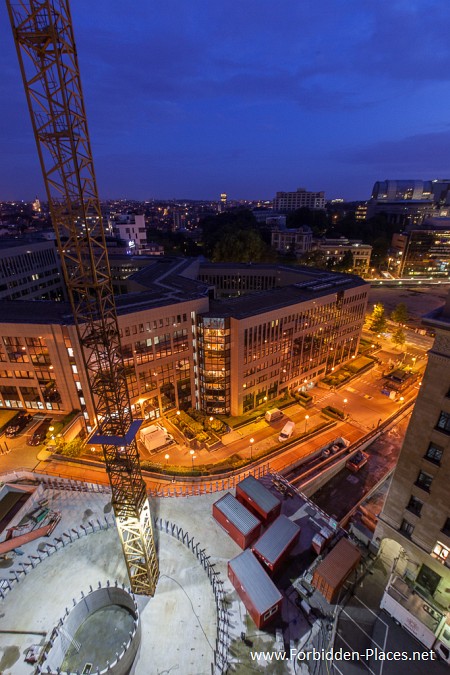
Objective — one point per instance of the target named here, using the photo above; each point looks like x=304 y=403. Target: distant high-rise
x=223 y=202
x=301 y=198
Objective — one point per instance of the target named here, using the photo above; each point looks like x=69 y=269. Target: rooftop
x=236 y=513
x=256 y=582
x=276 y=538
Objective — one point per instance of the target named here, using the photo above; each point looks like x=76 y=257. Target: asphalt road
x=346 y=489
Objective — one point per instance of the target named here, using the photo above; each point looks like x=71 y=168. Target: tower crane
x=46 y=49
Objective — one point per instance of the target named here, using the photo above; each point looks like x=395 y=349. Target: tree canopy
x=378 y=319
x=398 y=337
x=400 y=313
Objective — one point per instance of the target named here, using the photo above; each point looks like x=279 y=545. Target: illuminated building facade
x=301 y=198
x=417 y=510
x=184 y=348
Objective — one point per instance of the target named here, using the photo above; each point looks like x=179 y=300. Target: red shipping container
x=242 y=526
x=331 y=574
x=258 y=499
x=255 y=588
x=273 y=547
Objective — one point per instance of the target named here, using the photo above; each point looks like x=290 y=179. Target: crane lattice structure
x=45 y=44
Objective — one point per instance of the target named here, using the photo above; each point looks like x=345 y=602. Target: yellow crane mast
x=45 y=44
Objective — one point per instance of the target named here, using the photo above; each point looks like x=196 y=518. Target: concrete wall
x=68 y=626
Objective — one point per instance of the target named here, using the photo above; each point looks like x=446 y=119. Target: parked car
x=286 y=431
x=357 y=461
x=40 y=434
x=19 y=423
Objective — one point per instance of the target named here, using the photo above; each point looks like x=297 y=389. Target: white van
x=286 y=431
x=272 y=415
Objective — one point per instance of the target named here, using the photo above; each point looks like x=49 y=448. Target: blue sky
x=248 y=97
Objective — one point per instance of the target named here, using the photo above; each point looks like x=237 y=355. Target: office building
x=416 y=514
x=30 y=269
x=409 y=202
x=301 y=198
x=424 y=251
x=181 y=344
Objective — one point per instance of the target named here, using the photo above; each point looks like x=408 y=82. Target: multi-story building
x=337 y=248
x=183 y=347
x=293 y=240
x=301 y=198
x=416 y=513
x=408 y=202
x=426 y=250
x=131 y=228
x=30 y=269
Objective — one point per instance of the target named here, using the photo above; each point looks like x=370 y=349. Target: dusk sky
x=190 y=99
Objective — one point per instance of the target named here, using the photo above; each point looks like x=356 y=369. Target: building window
x=424 y=481
x=446 y=528
x=414 y=505
x=434 y=454
x=440 y=552
x=444 y=422
x=406 y=528
x=271 y=611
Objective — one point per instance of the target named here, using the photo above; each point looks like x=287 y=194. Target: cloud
x=426 y=154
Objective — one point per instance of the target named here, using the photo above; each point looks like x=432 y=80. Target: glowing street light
x=252 y=440
x=306 y=422
x=166 y=457
x=192 y=454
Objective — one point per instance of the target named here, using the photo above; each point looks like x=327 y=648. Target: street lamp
x=166 y=457
x=306 y=421
x=252 y=440
x=191 y=452
x=345 y=403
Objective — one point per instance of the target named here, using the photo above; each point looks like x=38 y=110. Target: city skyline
x=193 y=102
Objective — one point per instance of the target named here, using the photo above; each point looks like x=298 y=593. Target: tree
x=346 y=264
x=398 y=337
x=400 y=313
x=314 y=259
x=240 y=246
x=378 y=319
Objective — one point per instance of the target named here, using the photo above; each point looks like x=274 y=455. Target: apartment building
x=416 y=513
x=301 y=198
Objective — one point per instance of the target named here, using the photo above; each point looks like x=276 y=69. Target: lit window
x=440 y=552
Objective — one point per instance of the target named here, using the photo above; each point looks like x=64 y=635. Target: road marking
x=377 y=616
x=384 y=645
x=354 y=650
x=362 y=631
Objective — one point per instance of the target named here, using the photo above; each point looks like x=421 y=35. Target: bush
x=334 y=412
x=72 y=449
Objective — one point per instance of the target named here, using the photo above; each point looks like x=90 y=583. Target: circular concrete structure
x=101 y=633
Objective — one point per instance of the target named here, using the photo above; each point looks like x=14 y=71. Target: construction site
x=67 y=605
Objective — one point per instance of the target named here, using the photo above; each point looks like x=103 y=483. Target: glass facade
x=427 y=254
x=27 y=378
x=214 y=364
